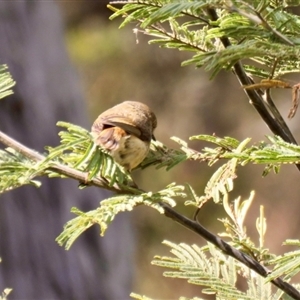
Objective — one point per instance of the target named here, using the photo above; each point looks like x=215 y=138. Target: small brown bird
x=126 y=130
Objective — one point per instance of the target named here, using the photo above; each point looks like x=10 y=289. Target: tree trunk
x=47 y=90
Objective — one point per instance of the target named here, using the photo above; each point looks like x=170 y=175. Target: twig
x=56 y=167
x=278 y=127
x=168 y=211
x=258 y=19
x=229 y=250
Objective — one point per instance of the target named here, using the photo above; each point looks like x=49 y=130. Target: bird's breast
x=130 y=152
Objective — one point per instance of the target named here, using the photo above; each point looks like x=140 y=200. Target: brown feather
x=109 y=138
x=125 y=130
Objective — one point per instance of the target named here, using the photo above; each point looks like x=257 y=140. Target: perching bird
x=125 y=131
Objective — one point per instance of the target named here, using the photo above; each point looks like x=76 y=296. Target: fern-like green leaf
x=209 y=268
x=16 y=170
x=6 y=82
x=287 y=264
x=5 y=293
x=139 y=297
x=264 y=32
x=77 y=150
x=109 y=208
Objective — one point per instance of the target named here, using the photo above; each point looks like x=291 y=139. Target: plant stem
x=168 y=211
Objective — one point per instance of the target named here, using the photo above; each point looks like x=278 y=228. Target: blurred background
x=71 y=63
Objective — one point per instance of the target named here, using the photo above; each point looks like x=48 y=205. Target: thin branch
x=168 y=211
x=59 y=168
x=229 y=250
x=150 y=4
x=273 y=108
x=259 y=20
x=27 y=152
x=277 y=126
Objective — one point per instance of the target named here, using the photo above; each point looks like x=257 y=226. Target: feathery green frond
x=262 y=31
x=16 y=170
x=274 y=154
x=139 y=297
x=77 y=150
x=235 y=228
x=220 y=35
x=5 y=293
x=6 y=82
x=211 y=269
x=194 y=298
x=221 y=181
x=110 y=207
x=287 y=264
x=163 y=157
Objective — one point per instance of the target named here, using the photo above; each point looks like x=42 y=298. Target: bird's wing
x=123 y=123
